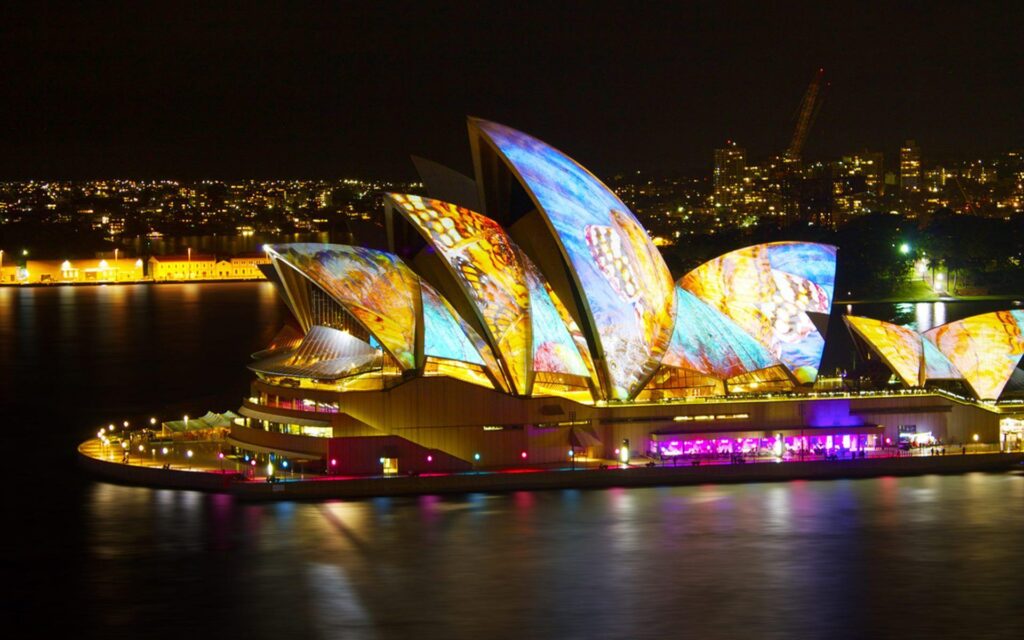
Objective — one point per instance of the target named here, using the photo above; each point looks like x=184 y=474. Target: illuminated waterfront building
x=87 y=270
x=535 y=316
x=198 y=266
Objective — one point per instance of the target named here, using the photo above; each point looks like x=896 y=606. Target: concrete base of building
x=527 y=480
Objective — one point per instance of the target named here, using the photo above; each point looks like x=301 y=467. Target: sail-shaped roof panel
x=985 y=349
x=899 y=347
x=707 y=341
x=618 y=274
x=772 y=291
x=376 y=287
x=486 y=265
x=554 y=350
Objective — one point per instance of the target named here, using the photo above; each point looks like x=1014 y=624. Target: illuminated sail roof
x=445 y=335
x=985 y=349
x=324 y=354
x=899 y=347
x=771 y=291
x=376 y=287
x=558 y=345
x=707 y=341
x=619 y=276
x=484 y=262
x=936 y=365
x=524 y=320
x=982 y=350
x=584 y=301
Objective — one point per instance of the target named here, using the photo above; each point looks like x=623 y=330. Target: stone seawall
x=156 y=477
x=539 y=480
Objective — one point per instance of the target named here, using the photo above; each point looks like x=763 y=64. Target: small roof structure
x=210 y=420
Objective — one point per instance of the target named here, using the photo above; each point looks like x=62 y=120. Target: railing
x=298 y=405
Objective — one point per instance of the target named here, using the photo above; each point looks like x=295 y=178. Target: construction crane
x=809 y=108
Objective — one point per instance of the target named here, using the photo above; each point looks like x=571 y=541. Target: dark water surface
x=915 y=557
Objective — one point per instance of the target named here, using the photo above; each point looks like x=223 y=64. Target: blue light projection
x=620 y=275
x=443 y=335
x=707 y=341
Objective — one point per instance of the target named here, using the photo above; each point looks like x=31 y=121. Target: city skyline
x=353 y=90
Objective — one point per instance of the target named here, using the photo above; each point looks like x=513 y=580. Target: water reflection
x=923 y=316
x=811 y=559
x=789 y=559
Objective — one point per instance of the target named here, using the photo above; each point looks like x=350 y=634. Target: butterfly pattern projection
x=985 y=349
x=377 y=288
x=623 y=283
x=622 y=253
x=487 y=267
x=768 y=290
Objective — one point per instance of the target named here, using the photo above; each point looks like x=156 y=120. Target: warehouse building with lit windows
x=525 y=316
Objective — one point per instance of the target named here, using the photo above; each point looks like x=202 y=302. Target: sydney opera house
x=524 y=316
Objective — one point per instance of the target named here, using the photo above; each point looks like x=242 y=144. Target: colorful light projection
x=485 y=263
x=769 y=290
x=443 y=335
x=324 y=353
x=779 y=446
x=618 y=272
x=899 y=347
x=936 y=365
x=985 y=349
x=461 y=342
x=554 y=349
x=377 y=288
x=705 y=340
x=515 y=303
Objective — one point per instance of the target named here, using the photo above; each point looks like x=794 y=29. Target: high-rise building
x=865 y=163
x=730 y=166
x=910 y=166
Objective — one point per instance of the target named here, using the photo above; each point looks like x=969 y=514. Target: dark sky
x=336 y=89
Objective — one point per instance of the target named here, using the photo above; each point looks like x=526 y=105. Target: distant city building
x=935 y=179
x=730 y=169
x=910 y=167
x=868 y=164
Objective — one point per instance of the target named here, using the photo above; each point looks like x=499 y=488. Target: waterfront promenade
x=204 y=471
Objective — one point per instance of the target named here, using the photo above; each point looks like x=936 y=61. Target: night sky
x=339 y=89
